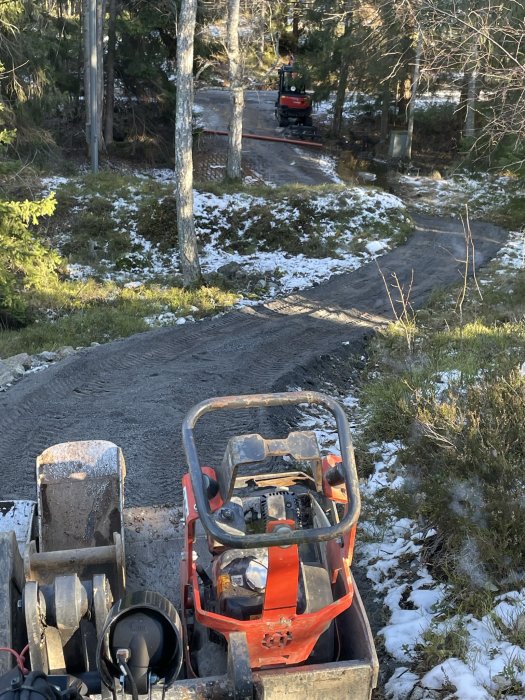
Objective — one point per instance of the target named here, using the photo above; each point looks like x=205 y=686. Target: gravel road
x=135 y=392
x=278 y=163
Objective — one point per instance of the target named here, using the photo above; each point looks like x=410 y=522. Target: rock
x=6 y=373
x=366 y=176
x=230 y=270
x=16 y=366
x=233 y=271
x=65 y=352
x=501 y=681
x=48 y=356
x=262 y=283
x=19 y=363
x=436 y=175
x=17 y=370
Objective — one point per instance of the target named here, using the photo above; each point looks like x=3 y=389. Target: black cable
x=133 y=685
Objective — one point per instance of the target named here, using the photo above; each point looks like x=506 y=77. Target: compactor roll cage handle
x=280 y=538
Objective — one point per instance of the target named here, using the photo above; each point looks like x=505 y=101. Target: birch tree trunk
x=233 y=165
x=110 y=72
x=189 y=257
x=412 y=104
x=470 y=125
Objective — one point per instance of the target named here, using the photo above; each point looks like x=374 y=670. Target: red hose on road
x=258 y=137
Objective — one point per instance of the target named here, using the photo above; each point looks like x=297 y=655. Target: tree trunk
x=337 y=123
x=101 y=13
x=344 y=71
x=385 y=112
x=189 y=258
x=263 y=25
x=295 y=20
x=412 y=105
x=471 y=78
x=233 y=166
x=110 y=72
x=94 y=140
x=87 y=61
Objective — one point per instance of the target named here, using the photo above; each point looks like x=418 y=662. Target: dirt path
x=279 y=163
x=135 y=392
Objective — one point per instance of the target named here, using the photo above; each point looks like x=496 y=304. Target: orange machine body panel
x=279 y=636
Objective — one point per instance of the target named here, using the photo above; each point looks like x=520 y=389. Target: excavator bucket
x=76 y=568
x=80 y=496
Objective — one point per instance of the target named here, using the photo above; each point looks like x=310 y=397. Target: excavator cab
x=292 y=83
x=293 y=106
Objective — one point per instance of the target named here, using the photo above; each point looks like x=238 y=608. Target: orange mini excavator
x=293 y=105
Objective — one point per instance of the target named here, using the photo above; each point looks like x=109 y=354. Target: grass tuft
x=79 y=313
x=457 y=401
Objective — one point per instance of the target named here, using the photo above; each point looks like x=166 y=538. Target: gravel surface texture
x=135 y=392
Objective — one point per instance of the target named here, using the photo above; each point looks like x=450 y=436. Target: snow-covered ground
x=389 y=549
x=512 y=255
x=279 y=271
x=455 y=195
